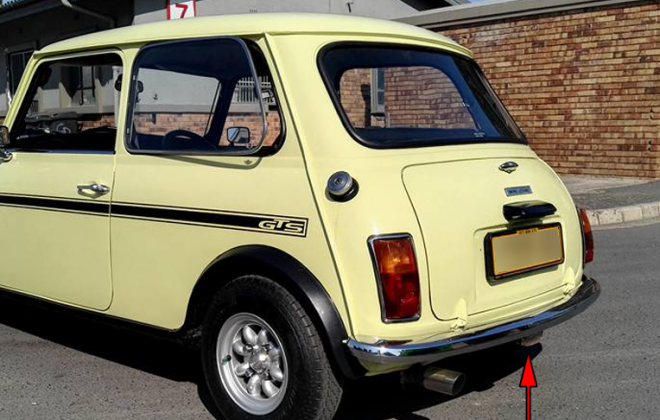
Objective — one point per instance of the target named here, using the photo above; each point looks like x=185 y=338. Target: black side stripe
x=94 y=207
x=207 y=218
x=283 y=225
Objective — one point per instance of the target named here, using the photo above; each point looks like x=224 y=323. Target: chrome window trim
x=62 y=152
x=131 y=100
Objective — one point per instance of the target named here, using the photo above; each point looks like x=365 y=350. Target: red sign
x=181 y=9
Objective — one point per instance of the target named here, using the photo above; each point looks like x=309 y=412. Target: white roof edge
x=495 y=10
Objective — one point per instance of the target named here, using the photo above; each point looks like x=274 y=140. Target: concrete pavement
x=615 y=200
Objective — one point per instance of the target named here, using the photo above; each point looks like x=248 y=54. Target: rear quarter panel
x=382 y=205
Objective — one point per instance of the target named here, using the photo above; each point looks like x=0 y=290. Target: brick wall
x=101 y=120
x=584 y=85
x=419 y=97
x=424 y=97
x=162 y=123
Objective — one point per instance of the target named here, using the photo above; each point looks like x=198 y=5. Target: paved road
x=605 y=364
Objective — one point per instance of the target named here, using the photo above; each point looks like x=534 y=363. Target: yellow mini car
x=307 y=198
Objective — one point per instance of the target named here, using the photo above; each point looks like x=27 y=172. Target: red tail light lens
x=398 y=277
x=588 y=237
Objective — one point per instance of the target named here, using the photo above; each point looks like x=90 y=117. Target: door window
x=71 y=107
x=202 y=97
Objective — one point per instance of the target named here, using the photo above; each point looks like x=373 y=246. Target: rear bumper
x=408 y=354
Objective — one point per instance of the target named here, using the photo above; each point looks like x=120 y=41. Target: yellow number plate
x=519 y=251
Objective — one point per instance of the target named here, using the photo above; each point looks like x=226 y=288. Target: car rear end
x=455 y=235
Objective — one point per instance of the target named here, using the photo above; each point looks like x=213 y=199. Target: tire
x=282 y=336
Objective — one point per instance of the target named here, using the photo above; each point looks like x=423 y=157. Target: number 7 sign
x=181 y=9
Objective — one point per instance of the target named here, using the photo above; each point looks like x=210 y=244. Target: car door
x=55 y=191
x=183 y=195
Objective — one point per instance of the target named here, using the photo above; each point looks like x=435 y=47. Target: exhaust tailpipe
x=436 y=379
x=532 y=340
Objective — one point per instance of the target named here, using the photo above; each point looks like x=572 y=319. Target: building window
x=17 y=64
x=244 y=93
x=83 y=86
x=378 y=91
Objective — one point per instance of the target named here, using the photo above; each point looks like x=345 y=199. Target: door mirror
x=120 y=81
x=238 y=136
x=5 y=155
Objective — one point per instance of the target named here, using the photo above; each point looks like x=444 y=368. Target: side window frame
x=25 y=97
x=132 y=95
x=336 y=98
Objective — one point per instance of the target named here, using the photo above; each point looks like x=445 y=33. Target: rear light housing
x=397 y=277
x=587 y=236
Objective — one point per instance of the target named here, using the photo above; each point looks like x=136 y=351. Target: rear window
x=392 y=97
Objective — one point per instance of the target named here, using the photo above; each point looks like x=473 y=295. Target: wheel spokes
x=254 y=386
x=274 y=354
x=252 y=363
x=269 y=388
x=249 y=336
x=240 y=348
x=262 y=338
x=242 y=369
x=276 y=372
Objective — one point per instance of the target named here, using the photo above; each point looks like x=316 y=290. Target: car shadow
x=368 y=399
x=101 y=338
x=384 y=398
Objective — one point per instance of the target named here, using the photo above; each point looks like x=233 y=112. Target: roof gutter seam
x=481 y=13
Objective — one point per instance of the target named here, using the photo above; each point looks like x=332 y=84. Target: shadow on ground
x=384 y=398
x=369 y=399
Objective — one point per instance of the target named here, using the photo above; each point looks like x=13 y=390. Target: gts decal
x=284 y=225
x=274 y=224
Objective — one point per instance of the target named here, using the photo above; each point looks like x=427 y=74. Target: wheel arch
x=296 y=278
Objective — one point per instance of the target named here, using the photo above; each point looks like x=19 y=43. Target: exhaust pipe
x=436 y=379
x=531 y=341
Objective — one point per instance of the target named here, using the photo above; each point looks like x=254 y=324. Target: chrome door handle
x=95 y=188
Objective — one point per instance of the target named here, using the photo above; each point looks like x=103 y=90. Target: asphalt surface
x=604 y=364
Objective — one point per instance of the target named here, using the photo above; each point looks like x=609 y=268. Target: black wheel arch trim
x=288 y=271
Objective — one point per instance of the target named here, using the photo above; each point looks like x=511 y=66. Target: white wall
x=154 y=10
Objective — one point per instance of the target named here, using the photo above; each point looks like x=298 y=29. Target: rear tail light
x=398 y=277
x=587 y=236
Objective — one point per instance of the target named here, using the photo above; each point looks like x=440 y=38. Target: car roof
x=251 y=24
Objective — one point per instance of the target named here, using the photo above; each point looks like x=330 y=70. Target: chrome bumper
x=397 y=353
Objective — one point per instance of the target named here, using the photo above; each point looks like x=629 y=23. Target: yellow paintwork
x=154 y=267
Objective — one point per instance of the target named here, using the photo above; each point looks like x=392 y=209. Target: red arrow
x=529 y=381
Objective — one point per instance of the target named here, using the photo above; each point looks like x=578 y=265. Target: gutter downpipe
x=110 y=21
